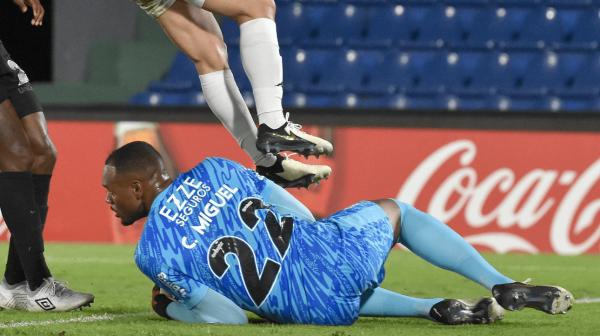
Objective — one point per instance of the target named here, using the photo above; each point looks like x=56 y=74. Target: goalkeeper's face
x=124 y=194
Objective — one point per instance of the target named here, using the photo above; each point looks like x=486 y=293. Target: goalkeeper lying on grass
x=221 y=239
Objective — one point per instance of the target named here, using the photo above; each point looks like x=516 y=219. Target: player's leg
x=196 y=32
x=381 y=302
x=21 y=214
x=438 y=244
x=259 y=49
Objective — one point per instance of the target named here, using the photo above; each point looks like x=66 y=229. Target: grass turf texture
x=109 y=272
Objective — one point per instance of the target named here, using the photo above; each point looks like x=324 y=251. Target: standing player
x=193 y=28
x=221 y=238
x=27 y=158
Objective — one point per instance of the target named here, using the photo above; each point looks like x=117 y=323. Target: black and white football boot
x=475 y=311
x=289 y=173
x=518 y=295
x=289 y=137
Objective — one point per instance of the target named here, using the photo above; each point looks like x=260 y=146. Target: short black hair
x=134 y=156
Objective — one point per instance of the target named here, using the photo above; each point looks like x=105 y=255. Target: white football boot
x=53 y=295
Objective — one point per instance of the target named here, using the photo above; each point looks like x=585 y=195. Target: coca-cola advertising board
x=504 y=191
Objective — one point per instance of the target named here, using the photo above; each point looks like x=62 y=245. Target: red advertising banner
x=504 y=191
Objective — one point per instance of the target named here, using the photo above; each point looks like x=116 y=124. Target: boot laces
x=294 y=128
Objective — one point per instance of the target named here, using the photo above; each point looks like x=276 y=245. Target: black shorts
x=14 y=85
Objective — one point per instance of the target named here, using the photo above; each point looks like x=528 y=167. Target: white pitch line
x=82 y=319
x=587 y=300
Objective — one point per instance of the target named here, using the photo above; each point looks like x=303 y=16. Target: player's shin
x=23 y=220
x=438 y=244
x=381 y=302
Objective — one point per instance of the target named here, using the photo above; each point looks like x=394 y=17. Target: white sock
x=259 y=49
x=225 y=100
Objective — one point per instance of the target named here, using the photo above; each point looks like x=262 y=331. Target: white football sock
x=225 y=100
x=259 y=50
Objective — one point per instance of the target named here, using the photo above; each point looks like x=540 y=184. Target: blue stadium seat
x=425 y=69
x=407 y=72
x=334 y=24
x=518 y=2
x=585 y=80
x=291 y=19
x=387 y=25
x=567 y=104
x=373 y=101
x=540 y=29
x=151 y=98
x=514 y=73
x=417 y=102
x=231 y=31
x=449 y=25
x=463 y=72
x=507 y=26
x=583 y=4
x=526 y=104
x=360 y=66
x=181 y=76
x=586 y=30
x=576 y=75
x=304 y=70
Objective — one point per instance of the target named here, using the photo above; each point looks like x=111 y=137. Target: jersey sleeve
x=186 y=290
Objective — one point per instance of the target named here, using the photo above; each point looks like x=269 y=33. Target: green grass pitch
x=123 y=298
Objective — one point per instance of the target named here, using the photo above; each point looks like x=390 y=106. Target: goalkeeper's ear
x=160 y=302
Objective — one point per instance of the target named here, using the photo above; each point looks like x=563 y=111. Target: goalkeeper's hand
x=160 y=300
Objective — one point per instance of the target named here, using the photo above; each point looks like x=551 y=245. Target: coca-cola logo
x=525 y=201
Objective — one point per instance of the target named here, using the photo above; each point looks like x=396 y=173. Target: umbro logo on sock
x=280 y=84
x=45 y=304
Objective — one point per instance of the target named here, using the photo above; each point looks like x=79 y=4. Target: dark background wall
x=29 y=46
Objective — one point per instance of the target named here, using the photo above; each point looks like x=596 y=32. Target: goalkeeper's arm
x=214 y=308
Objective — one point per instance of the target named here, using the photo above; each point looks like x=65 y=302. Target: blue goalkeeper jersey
x=211 y=228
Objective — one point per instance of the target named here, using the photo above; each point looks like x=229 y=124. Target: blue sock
x=439 y=245
x=384 y=303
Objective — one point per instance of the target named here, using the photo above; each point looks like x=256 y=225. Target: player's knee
x=256 y=9
x=212 y=60
x=45 y=158
x=20 y=158
x=392 y=210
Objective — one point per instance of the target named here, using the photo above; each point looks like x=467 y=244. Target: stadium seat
x=181 y=76
x=334 y=24
x=541 y=27
x=449 y=25
x=582 y=75
x=417 y=102
x=567 y=104
x=386 y=25
x=304 y=70
x=360 y=67
x=507 y=26
x=291 y=19
x=463 y=72
x=583 y=4
x=586 y=30
x=514 y=73
x=231 y=31
x=151 y=98
x=419 y=72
